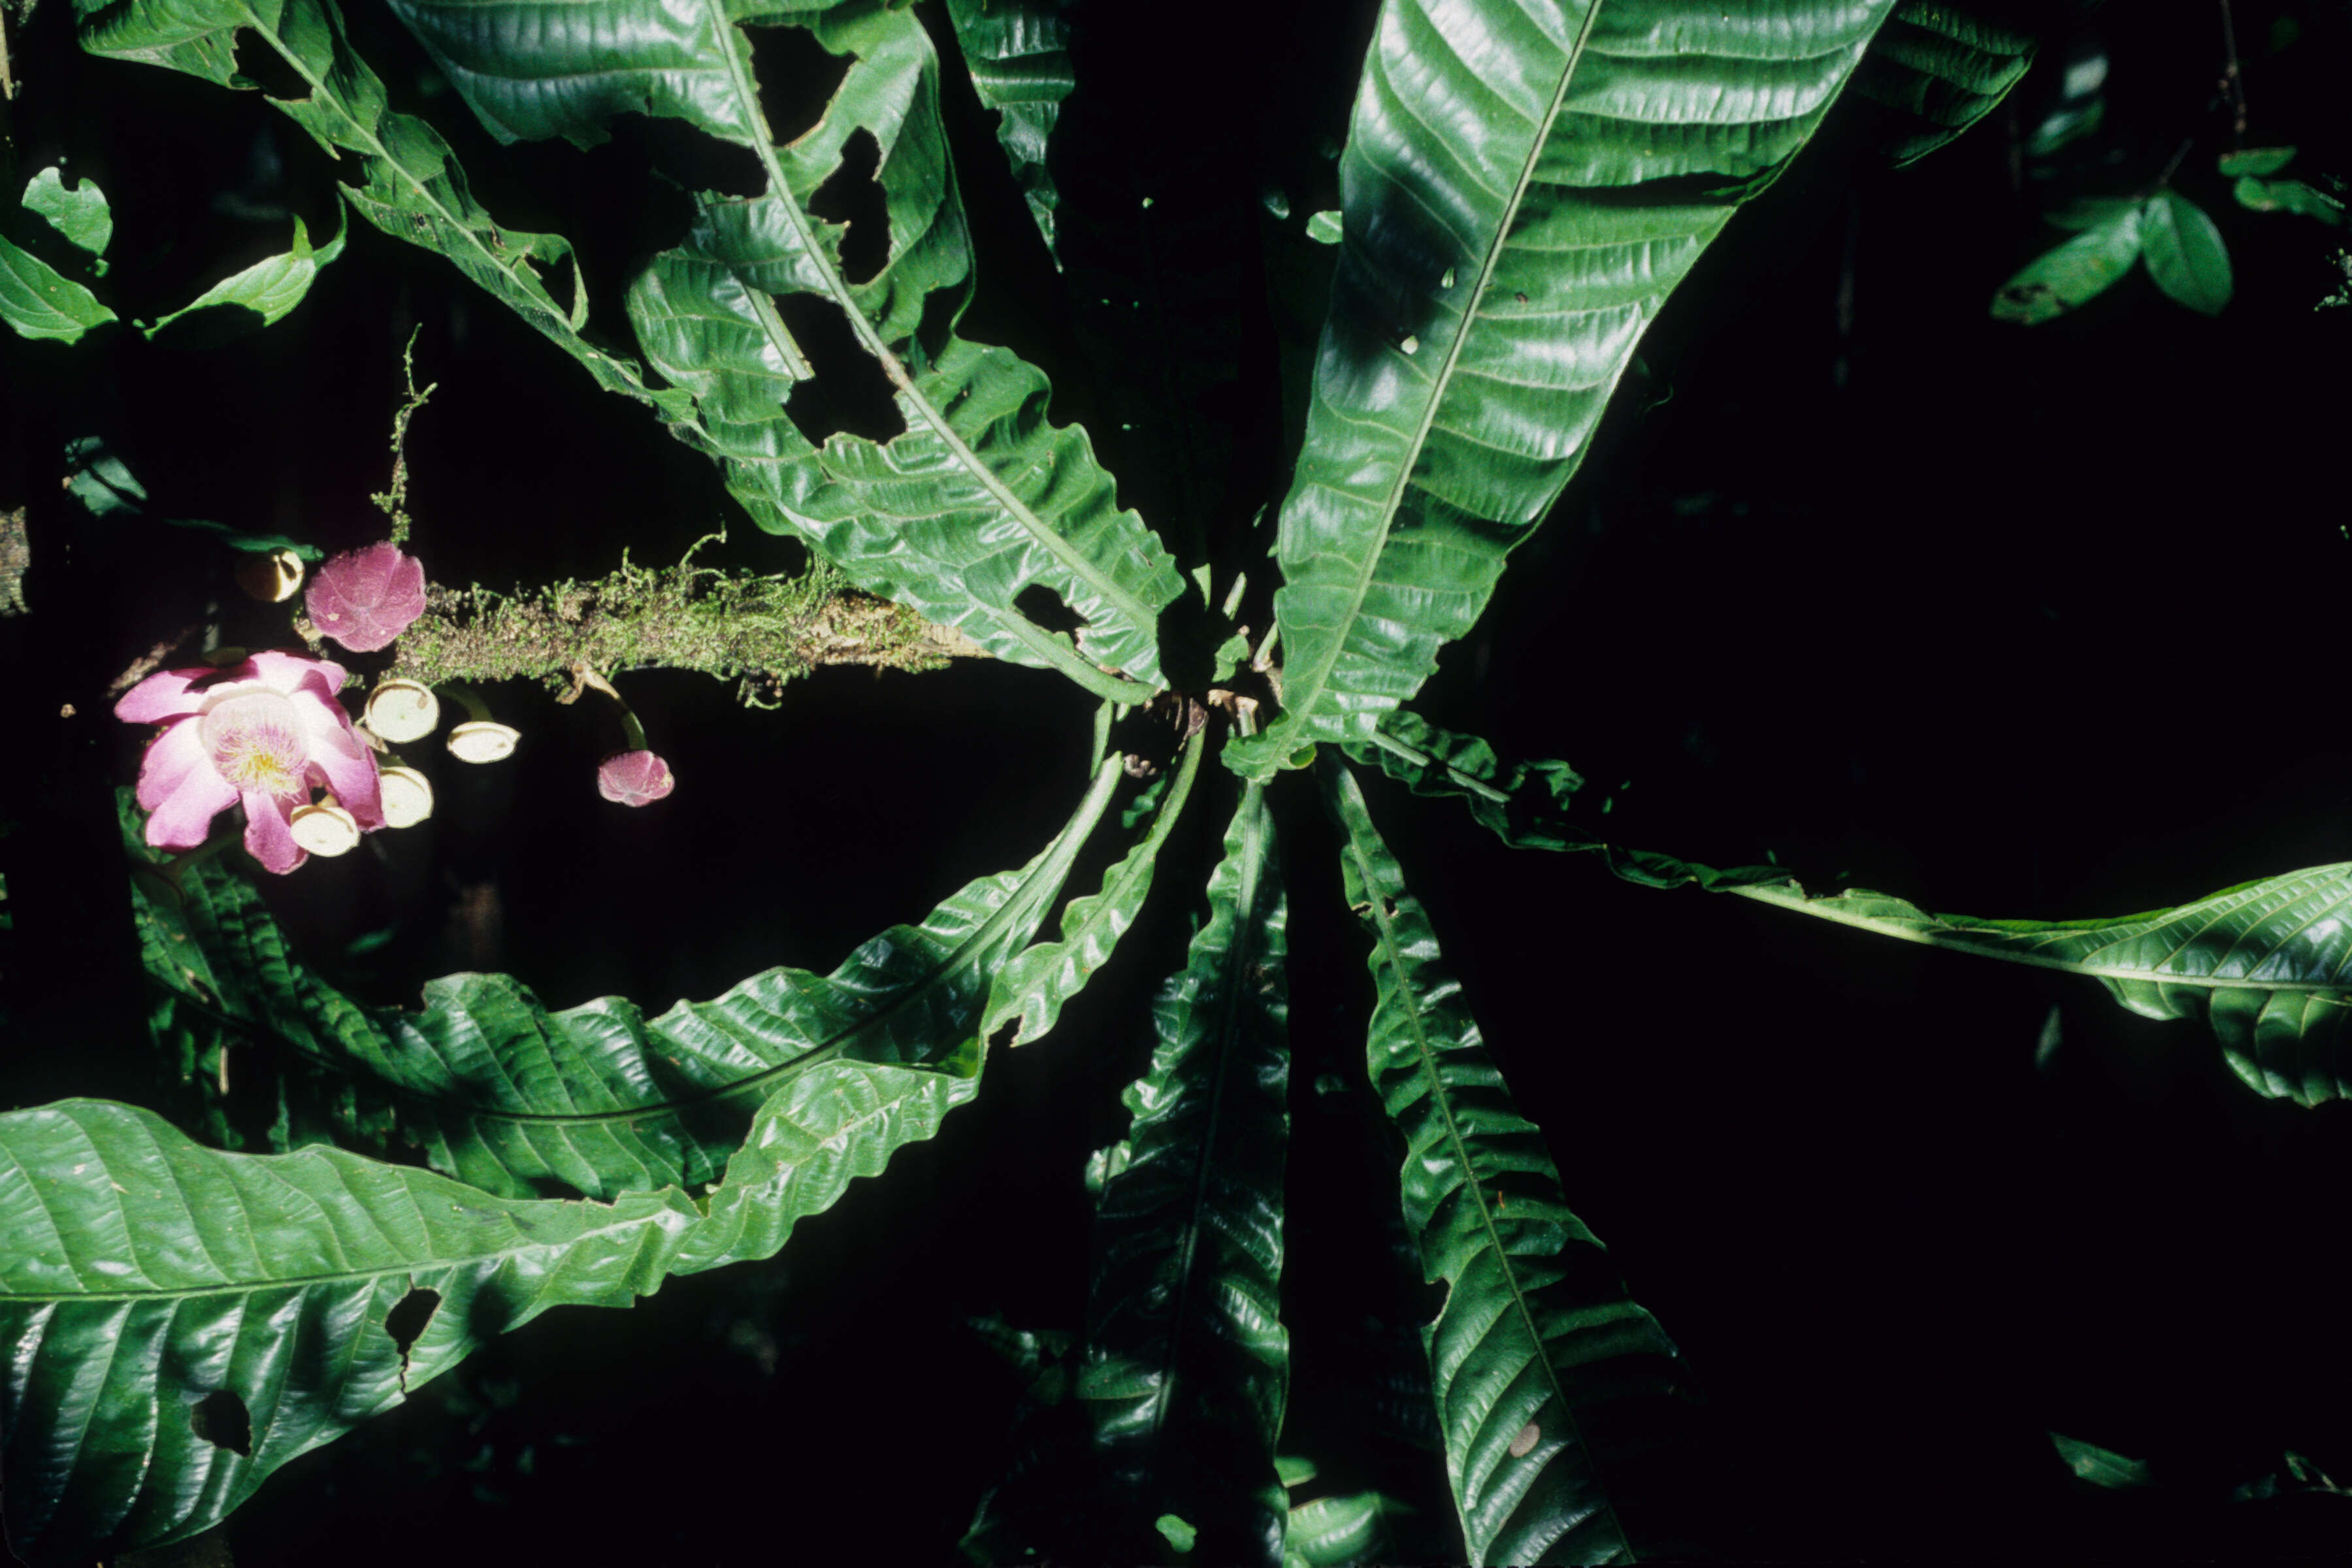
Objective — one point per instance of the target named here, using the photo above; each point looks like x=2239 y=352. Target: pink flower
x=635 y=778
x=365 y=598
x=263 y=732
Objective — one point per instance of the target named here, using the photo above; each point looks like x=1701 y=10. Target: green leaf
x=268 y=290
x=395 y=169
x=1018 y=52
x=79 y=213
x=2063 y=280
x=98 y=478
x=2185 y=253
x=1324 y=227
x=178 y=1322
x=1031 y=987
x=1522 y=189
x=1340 y=1531
x=2100 y=1468
x=598 y=1098
x=1186 y=1361
x=1933 y=72
x=980 y=497
x=1525 y=804
x=36 y=301
x=1178 y=1535
x=1548 y=1377
x=2289 y=196
x=2256 y=161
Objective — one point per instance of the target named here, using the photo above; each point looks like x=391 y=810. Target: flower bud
x=635 y=778
x=403 y=711
x=408 y=796
x=325 y=829
x=271 y=578
x=483 y=741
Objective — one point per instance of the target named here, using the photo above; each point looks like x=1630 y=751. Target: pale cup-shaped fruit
x=403 y=711
x=483 y=741
x=272 y=577
x=408 y=796
x=325 y=829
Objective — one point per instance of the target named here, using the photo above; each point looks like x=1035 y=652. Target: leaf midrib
x=1395 y=959
x=1306 y=698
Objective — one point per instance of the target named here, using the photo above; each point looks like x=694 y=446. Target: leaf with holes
x=979 y=497
x=36 y=301
x=1521 y=190
x=597 y=1099
x=1549 y=1381
x=1186 y=1361
x=178 y=1322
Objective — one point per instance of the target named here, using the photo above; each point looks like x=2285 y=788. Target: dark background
x=2013 y=622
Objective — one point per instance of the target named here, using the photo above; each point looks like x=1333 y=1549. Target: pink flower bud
x=634 y=778
x=365 y=598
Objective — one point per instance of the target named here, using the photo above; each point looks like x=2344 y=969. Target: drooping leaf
x=2099 y=1467
x=2066 y=279
x=2185 y=252
x=1934 y=69
x=271 y=288
x=1521 y=189
x=1186 y=1361
x=1549 y=1381
x=2266 y=964
x=599 y=1098
x=97 y=477
x=1524 y=805
x=36 y=301
x=980 y=497
x=407 y=183
x=77 y=213
x=1031 y=987
x=178 y=1322
x=2289 y=196
x=1018 y=52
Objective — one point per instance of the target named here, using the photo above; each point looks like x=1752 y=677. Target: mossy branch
x=737 y=625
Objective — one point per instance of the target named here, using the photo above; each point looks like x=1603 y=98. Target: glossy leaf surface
x=1547 y=1377
x=1934 y=70
x=980 y=497
x=36 y=301
x=2074 y=274
x=1186 y=1361
x=2185 y=253
x=143 y=1278
x=1522 y=187
x=79 y=213
x=1018 y=52
x=600 y=1098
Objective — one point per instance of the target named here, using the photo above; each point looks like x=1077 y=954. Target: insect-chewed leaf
x=1549 y=1381
x=597 y=1099
x=1522 y=187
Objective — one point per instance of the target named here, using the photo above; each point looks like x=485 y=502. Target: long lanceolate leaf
x=1934 y=69
x=1525 y=181
x=1547 y=1375
x=980 y=497
x=2267 y=965
x=178 y=1322
x=1186 y=1360
x=1018 y=52
x=601 y=1099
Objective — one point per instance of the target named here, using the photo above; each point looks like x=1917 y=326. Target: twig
x=2234 y=79
x=394 y=501
x=148 y=663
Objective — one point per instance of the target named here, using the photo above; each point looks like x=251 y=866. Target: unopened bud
x=407 y=795
x=635 y=778
x=403 y=711
x=272 y=578
x=325 y=829
x=483 y=741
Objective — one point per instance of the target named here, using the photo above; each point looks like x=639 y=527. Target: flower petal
x=178 y=784
x=163 y=695
x=293 y=672
x=365 y=598
x=269 y=832
x=343 y=762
